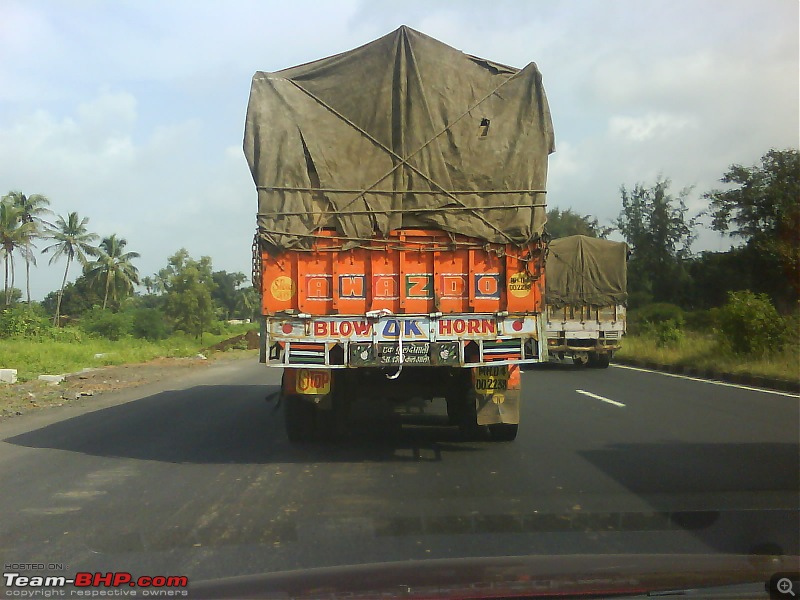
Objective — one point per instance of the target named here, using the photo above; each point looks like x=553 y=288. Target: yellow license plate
x=313 y=381
x=490 y=380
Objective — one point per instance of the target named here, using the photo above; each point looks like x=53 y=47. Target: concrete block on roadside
x=52 y=378
x=8 y=376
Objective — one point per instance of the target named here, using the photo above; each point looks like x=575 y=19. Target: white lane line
x=596 y=397
x=723 y=383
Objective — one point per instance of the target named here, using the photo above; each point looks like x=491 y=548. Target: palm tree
x=14 y=235
x=247 y=302
x=149 y=284
x=113 y=267
x=72 y=240
x=33 y=208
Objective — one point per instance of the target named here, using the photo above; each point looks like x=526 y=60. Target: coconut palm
x=113 y=268
x=14 y=236
x=247 y=302
x=34 y=208
x=149 y=284
x=72 y=240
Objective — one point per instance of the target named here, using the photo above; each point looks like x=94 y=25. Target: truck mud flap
x=497 y=394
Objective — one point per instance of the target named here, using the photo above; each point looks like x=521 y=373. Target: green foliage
x=750 y=324
x=763 y=209
x=248 y=304
x=107 y=324
x=791 y=330
x=189 y=284
x=15 y=295
x=112 y=270
x=658 y=312
x=701 y=320
x=68 y=354
x=699 y=351
x=225 y=292
x=667 y=333
x=655 y=226
x=149 y=324
x=22 y=321
x=16 y=234
x=77 y=298
x=714 y=274
x=644 y=318
x=71 y=239
x=661 y=322
x=32 y=322
x=563 y=223
x=32 y=210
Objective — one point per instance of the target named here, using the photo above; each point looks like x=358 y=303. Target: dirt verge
x=21 y=398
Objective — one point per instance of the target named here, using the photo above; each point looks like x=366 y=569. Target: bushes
x=107 y=324
x=749 y=324
x=22 y=321
x=661 y=321
x=149 y=324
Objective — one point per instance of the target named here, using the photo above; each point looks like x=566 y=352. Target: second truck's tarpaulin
x=581 y=270
x=402 y=132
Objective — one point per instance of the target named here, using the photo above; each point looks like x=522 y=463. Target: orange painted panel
x=411 y=272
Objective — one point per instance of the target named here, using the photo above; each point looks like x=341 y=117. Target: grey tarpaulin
x=404 y=131
x=581 y=270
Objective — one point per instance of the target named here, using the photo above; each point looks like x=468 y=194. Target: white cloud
x=649 y=127
x=132 y=113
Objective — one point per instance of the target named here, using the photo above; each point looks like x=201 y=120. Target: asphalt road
x=196 y=477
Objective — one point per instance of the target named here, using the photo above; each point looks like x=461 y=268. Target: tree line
x=759 y=208
x=186 y=295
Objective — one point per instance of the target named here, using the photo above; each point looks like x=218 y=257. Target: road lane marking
x=604 y=399
x=712 y=382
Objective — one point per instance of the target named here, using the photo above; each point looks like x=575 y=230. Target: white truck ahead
x=586 y=293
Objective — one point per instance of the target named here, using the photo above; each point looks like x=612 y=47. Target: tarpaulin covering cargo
x=403 y=132
x=582 y=270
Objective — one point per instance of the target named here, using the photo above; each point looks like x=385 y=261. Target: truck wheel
x=503 y=432
x=580 y=359
x=299 y=417
x=599 y=361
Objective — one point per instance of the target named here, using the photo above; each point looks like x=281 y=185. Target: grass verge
x=702 y=352
x=32 y=358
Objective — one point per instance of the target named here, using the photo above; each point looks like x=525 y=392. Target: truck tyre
x=580 y=359
x=599 y=361
x=299 y=417
x=503 y=432
x=603 y=360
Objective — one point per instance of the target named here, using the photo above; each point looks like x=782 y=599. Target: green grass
x=702 y=352
x=33 y=357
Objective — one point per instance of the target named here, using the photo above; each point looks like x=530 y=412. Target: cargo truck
x=399 y=248
x=586 y=293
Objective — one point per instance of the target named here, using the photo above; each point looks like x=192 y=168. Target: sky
x=132 y=113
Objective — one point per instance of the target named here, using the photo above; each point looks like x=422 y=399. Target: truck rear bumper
x=599 y=342
x=414 y=340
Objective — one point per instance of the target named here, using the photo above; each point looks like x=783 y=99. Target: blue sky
x=132 y=113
